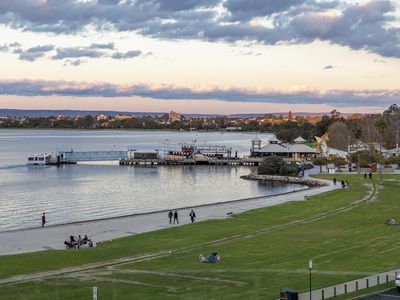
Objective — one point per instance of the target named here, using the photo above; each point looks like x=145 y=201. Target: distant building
x=234 y=128
x=102 y=118
x=174 y=116
x=123 y=117
x=290 y=116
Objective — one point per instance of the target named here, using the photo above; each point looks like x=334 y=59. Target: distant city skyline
x=206 y=56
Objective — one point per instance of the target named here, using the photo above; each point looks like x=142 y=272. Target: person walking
x=170 y=215
x=43 y=219
x=365 y=175
x=176 y=217
x=370 y=175
x=343 y=184
x=192 y=215
x=334 y=180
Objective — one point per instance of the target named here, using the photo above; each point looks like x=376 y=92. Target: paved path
x=52 y=237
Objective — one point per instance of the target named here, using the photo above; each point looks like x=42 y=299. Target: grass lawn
x=262 y=250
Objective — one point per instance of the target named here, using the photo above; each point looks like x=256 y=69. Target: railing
x=351 y=286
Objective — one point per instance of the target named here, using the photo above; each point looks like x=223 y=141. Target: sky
x=200 y=56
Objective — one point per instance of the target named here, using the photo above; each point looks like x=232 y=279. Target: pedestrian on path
x=43 y=219
x=192 y=215
x=176 y=217
x=170 y=215
x=334 y=180
x=343 y=184
x=370 y=175
x=365 y=175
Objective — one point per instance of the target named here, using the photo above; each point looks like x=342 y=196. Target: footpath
x=53 y=237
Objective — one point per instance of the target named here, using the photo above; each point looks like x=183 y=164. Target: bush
x=277 y=166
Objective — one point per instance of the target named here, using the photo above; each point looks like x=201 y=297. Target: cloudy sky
x=205 y=56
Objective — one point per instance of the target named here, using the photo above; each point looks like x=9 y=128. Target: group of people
x=76 y=243
x=344 y=183
x=174 y=215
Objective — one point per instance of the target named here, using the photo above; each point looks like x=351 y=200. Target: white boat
x=39 y=159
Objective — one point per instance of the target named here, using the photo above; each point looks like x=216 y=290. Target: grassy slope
x=266 y=249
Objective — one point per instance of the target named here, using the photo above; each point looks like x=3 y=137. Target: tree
x=365 y=158
x=275 y=165
x=339 y=135
x=320 y=161
x=338 y=161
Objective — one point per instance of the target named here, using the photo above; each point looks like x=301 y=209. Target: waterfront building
x=298 y=151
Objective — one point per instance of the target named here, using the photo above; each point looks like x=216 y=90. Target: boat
x=39 y=159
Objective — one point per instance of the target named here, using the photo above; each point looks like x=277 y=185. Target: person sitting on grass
x=212 y=258
x=390 y=222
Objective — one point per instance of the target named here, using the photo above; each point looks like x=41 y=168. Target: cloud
x=73 y=62
x=345 y=98
x=328 y=67
x=126 y=55
x=71 y=55
x=109 y=46
x=370 y=26
x=32 y=54
x=72 y=52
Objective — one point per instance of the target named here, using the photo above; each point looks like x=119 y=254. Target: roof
x=299 y=140
x=337 y=152
x=272 y=148
x=273 y=139
x=256 y=139
x=299 y=148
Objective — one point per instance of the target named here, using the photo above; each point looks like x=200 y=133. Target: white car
x=397 y=282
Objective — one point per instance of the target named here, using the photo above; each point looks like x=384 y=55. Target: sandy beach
x=52 y=237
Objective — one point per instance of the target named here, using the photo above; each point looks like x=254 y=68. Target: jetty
x=243 y=161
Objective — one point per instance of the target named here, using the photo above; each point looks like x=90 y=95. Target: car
x=306 y=166
x=397 y=282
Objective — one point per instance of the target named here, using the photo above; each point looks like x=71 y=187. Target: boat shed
x=272 y=148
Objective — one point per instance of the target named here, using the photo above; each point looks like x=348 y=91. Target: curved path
x=52 y=237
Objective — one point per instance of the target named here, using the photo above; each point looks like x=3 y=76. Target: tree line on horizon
x=381 y=128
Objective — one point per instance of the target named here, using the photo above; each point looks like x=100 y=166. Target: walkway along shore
x=52 y=237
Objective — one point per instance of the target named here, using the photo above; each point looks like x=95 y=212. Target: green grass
x=262 y=250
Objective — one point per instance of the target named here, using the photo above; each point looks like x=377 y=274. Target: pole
x=381 y=161
x=310 y=268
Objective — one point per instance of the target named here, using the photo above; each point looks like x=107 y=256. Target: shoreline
x=165 y=211
x=52 y=237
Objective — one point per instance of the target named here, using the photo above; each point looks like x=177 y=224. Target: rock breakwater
x=286 y=179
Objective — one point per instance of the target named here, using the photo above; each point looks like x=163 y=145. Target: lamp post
x=310 y=268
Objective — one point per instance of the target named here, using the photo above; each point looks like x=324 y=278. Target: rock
x=286 y=179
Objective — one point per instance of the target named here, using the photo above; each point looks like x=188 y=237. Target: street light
x=310 y=268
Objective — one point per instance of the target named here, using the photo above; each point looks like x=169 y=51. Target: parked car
x=306 y=166
x=397 y=282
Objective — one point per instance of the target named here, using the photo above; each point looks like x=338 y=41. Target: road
x=391 y=294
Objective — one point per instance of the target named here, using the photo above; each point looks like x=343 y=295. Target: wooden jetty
x=249 y=161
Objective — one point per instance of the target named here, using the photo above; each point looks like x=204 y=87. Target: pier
x=187 y=161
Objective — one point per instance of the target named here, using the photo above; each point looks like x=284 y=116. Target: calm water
x=84 y=192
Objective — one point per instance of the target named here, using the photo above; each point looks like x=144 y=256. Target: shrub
x=274 y=165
